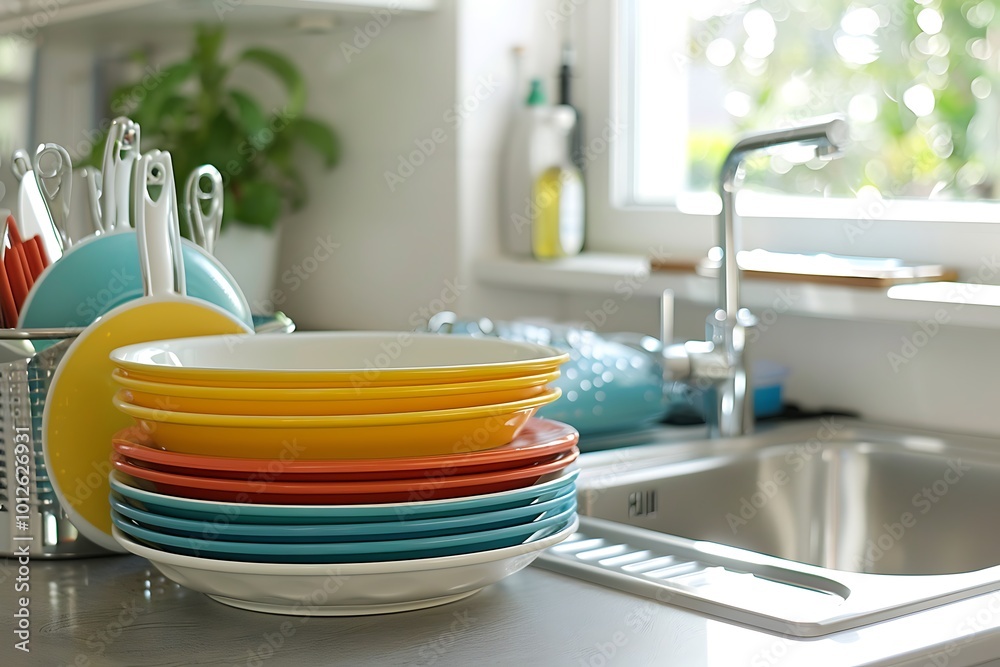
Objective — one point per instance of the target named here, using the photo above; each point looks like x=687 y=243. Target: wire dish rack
x=30 y=515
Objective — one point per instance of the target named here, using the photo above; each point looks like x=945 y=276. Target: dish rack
x=30 y=514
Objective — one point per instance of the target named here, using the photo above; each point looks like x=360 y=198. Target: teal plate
x=102 y=272
x=243 y=513
x=349 y=552
x=349 y=532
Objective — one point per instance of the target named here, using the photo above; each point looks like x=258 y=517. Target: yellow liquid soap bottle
x=557 y=194
x=558 y=208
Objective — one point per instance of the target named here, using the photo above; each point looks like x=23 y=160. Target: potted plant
x=194 y=112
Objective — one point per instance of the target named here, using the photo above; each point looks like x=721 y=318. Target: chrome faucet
x=720 y=362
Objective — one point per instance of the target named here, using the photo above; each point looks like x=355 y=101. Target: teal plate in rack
x=217 y=511
x=343 y=532
x=102 y=272
x=349 y=552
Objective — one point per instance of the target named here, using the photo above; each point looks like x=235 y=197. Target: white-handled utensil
x=203 y=205
x=120 y=153
x=160 y=258
x=53 y=170
x=32 y=213
x=93 y=183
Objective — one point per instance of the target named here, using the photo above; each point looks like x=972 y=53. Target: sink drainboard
x=743 y=586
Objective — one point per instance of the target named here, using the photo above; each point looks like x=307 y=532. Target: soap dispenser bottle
x=525 y=155
x=557 y=209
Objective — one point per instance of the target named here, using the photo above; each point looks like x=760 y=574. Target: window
x=919 y=81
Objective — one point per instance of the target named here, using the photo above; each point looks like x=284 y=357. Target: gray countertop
x=119 y=610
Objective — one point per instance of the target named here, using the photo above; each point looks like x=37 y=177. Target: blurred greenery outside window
x=919 y=81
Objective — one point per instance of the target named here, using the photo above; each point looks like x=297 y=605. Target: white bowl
x=350 y=589
x=351 y=359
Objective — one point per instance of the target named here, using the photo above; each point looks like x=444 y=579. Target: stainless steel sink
x=804 y=529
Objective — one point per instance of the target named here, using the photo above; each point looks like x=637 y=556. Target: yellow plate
x=391 y=435
x=79 y=418
x=322 y=408
x=324 y=393
x=336 y=359
x=290 y=402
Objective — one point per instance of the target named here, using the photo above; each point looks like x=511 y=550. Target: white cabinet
x=27 y=17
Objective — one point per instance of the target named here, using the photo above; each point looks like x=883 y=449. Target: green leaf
x=259 y=204
x=144 y=101
x=208 y=44
x=320 y=137
x=249 y=115
x=282 y=68
x=187 y=108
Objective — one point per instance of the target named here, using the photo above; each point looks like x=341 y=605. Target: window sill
x=618 y=275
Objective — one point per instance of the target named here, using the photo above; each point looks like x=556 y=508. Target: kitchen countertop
x=118 y=610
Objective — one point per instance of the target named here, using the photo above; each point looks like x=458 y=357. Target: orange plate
x=342 y=493
x=540 y=441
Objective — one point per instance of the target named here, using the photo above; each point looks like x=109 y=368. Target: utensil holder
x=30 y=513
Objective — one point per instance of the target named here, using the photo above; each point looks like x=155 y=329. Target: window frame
x=960 y=234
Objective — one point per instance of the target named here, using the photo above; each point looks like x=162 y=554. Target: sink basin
x=804 y=529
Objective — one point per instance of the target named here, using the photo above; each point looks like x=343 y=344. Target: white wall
x=398 y=249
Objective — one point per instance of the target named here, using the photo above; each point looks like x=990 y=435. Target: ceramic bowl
x=540 y=441
x=242 y=513
x=344 y=493
x=374 y=436
x=102 y=272
x=335 y=359
x=345 y=589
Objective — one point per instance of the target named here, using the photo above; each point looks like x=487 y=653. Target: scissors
x=204 y=222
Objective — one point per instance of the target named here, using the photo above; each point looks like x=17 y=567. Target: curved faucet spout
x=829 y=136
x=723 y=362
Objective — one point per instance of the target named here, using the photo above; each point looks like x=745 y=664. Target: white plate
x=350 y=589
x=337 y=356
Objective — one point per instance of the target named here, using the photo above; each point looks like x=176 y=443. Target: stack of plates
x=259 y=466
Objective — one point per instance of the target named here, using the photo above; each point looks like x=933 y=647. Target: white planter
x=251 y=255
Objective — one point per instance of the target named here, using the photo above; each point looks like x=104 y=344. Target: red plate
x=540 y=441
x=342 y=493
